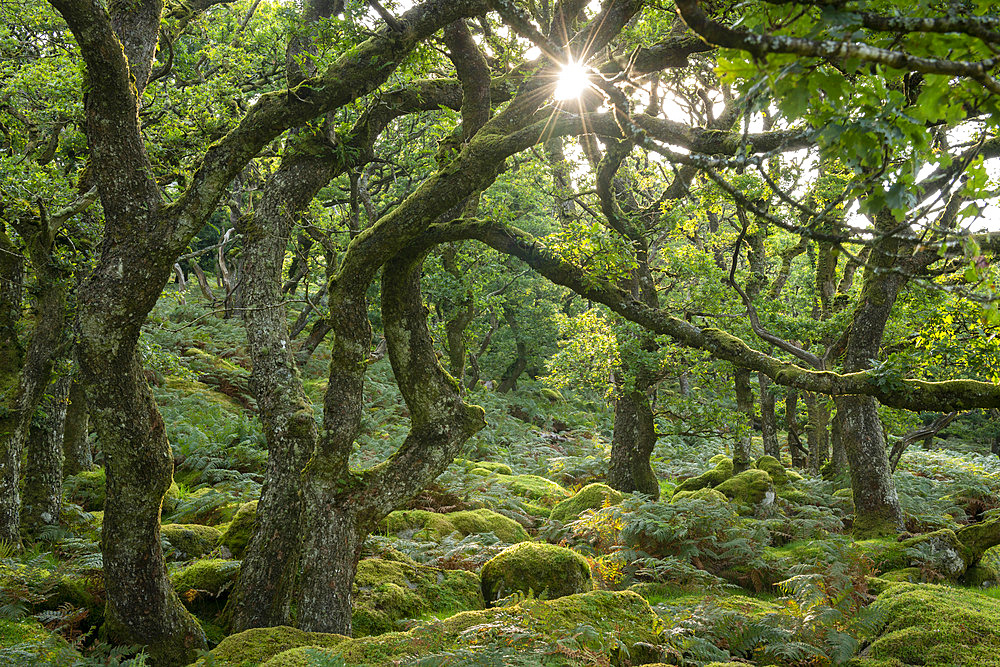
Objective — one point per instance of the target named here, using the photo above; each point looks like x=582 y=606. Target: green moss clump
x=617 y=617
x=906 y=574
x=433 y=526
x=981 y=576
x=26 y=642
x=592 y=496
x=888 y=554
x=750 y=486
x=190 y=540
x=532 y=486
x=240 y=530
x=551 y=394
x=929 y=624
x=203 y=586
x=722 y=471
x=545 y=569
x=86 y=489
x=491 y=466
x=795 y=496
x=773 y=467
x=386 y=592
x=257 y=645
x=978 y=537
x=701 y=494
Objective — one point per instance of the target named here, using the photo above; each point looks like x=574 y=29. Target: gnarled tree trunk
x=744 y=405
x=633 y=439
x=43 y=469
x=77 y=456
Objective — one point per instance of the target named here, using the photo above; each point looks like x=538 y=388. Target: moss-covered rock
x=906 y=574
x=981 y=575
x=240 y=529
x=948 y=556
x=387 y=591
x=538 y=488
x=927 y=624
x=795 y=496
x=773 y=467
x=56 y=588
x=256 y=646
x=26 y=642
x=978 y=537
x=750 y=487
x=722 y=471
x=551 y=394
x=425 y=525
x=618 y=618
x=701 y=494
x=86 y=489
x=190 y=540
x=207 y=506
x=592 y=496
x=545 y=569
x=204 y=585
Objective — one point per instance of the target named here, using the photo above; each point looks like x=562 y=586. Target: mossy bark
x=817 y=433
x=768 y=420
x=77 y=456
x=633 y=439
x=742 y=456
x=43 y=468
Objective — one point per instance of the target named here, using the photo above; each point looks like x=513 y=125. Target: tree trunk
x=43 y=473
x=202 y=281
x=316 y=336
x=817 y=435
x=77 y=456
x=634 y=437
x=838 y=457
x=792 y=428
x=744 y=405
x=263 y=595
x=768 y=421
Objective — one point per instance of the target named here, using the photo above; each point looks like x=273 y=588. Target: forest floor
x=519 y=554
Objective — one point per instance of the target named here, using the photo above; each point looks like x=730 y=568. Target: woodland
x=499 y=332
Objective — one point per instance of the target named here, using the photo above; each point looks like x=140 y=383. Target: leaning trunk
x=632 y=444
x=43 y=469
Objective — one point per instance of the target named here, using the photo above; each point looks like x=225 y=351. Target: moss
x=750 y=486
x=26 y=642
x=979 y=537
x=532 y=486
x=56 y=589
x=386 y=592
x=551 y=394
x=206 y=506
x=886 y=553
x=545 y=569
x=240 y=530
x=722 y=471
x=492 y=466
x=872 y=527
x=86 y=489
x=938 y=625
x=981 y=576
x=700 y=494
x=906 y=574
x=204 y=585
x=950 y=555
x=255 y=646
x=773 y=467
x=190 y=540
x=795 y=496
x=621 y=618
x=203 y=392
x=433 y=526
x=592 y=496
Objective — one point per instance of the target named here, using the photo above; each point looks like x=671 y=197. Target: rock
x=981 y=575
x=26 y=642
x=433 y=526
x=257 y=645
x=950 y=557
x=204 y=585
x=592 y=496
x=978 y=537
x=750 y=487
x=722 y=471
x=927 y=624
x=773 y=467
x=532 y=486
x=190 y=540
x=240 y=530
x=386 y=592
x=544 y=569
x=701 y=494
x=617 y=618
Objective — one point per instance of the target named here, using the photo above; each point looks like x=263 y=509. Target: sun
x=573 y=80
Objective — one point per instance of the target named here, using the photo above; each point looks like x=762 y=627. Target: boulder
x=722 y=471
x=240 y=530
x=592 y=496
x=544 y=569
x=190 y=540
x=433 y=526
x=750 y=487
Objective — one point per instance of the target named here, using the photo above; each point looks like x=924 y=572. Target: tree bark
x=768 y=420
x=838 y=456
x=633 y=439
x=77 y=456
x=792 y=429
x=817 y=435
x=43 y=473
x=744 y=405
